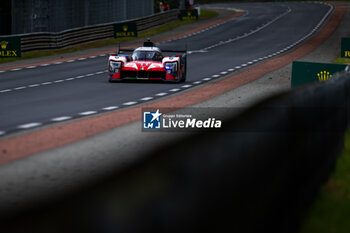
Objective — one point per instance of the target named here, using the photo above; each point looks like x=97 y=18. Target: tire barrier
x=259 y=174
x=72 y=37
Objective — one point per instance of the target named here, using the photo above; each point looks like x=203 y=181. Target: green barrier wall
x=306 y=72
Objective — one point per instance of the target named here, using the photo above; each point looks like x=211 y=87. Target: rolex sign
x=125 y=30
x=10 y=47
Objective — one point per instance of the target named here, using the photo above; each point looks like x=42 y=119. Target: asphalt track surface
x=47 y=94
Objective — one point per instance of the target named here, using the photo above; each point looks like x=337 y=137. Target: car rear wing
x=163 y=51
x=129 y=50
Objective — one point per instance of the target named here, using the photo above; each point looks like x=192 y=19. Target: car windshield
x=145 y=56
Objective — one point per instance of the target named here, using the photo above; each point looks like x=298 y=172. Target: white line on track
x=82 y=59
x=44 y=64
x=161 y=94
x=248 y=34
x=230 y=70
x=19 y=88
x=201 y=31
x=17 y=69
x=63 y=118
x=57 y=63
x=52 y=82
x=206 y=79
x=197 y=82
x=2 y=133
x=215 y=76
x=87 y=113
x=130 y=103
x=6 y=90
x=187 y=86
x=174 y=89
x=92 y=56
x=223 y=72
x=110 y=108
x=146 y=98
x=31 y=67
x=34 y=85
x=29 y=125
x=58 y=81
x=70 y=61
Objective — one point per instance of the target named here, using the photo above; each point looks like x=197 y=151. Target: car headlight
x=171 y=67
x=114 y=66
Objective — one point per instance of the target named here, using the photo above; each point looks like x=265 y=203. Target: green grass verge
x=340 y=60
x=330 y=212
x=205 y=14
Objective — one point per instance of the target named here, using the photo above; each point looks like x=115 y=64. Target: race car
x=147 y=63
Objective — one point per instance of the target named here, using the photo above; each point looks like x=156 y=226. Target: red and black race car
x=147 y=63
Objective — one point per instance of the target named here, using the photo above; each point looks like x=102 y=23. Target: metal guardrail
x=67 y=38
